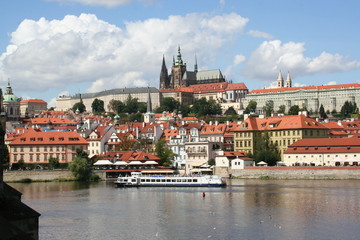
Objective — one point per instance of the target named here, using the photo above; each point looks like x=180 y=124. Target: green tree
x=81 y=168
x=131 y=105
x=142 y=107
x=53 y=163
x=164 y=153
x=265 y=151
x=211 y=162
x=294 y=110
x=251 y=107
x=322 y=112
x=97 y=106
x=268 y=108
x=79 y=106
x=230 y=111
x=169 y=104
x=202 y=107
x=281 y=109
x=136 y=117
x=349 y=108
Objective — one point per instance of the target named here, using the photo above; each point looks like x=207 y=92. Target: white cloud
x=272 y=56
x=82 y=49
x=331 y=83
x=239 y=59
x=258 y=34
x=106 y=3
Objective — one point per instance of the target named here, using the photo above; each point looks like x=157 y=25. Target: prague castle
x=184 y=86
x=332 y=97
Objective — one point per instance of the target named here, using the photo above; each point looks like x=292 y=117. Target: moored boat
x=138 y=180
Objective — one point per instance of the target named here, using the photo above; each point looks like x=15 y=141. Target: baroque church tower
x=177 y=71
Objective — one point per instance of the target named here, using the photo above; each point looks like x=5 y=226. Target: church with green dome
x=11 y=104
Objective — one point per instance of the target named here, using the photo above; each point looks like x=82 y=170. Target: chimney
x=210 y=123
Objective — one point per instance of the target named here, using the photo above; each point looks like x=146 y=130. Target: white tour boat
x=138 y=180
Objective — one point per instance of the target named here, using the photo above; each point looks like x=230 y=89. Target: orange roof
x=52 y=121
x=32 y=101
x=213 y=129
x=190 y=119
x=333 y=126
x=325 y=145
x=236 y=86
x=280 y=123
x=32 y=137
x=324 y=87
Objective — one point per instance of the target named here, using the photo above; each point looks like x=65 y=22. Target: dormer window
x=51 y=139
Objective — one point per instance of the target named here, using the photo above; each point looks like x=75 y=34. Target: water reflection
x=252 y=209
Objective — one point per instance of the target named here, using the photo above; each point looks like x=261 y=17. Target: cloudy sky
x=54 y=47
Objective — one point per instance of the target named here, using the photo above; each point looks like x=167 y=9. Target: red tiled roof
x=324 y=87
x=32 y=101
x=236 y=86
x=280 y=123
x=52 y=120
x=32 y=137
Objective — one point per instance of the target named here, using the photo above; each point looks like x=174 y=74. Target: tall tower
x=196 y=65
x=288 y=81
x=178 y=71
x=280 y=81
x=149 y=116
x=164 y=76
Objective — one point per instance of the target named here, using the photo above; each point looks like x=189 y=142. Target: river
x=245 y=209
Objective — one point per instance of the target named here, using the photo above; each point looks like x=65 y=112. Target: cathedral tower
x=164 y=76
x=288 y=81
x=178 y=71
x=280 y=81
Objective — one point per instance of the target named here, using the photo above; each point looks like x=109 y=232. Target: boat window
x=142 y=180
x=133 y=180
x=183 y=180
x=157 y=180
x=173 y=180
x=162 y=180
x=125 y=180
x=189 y=180
x=168 y=180
x=152 y=180
x=178 y=180
x=194 y=180
x=147 y=180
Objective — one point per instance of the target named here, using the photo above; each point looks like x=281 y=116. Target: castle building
x=64 y=103
x=32 y=107
x=181 y=77
x=332 y=97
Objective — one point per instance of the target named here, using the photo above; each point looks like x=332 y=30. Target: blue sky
x=55 y=47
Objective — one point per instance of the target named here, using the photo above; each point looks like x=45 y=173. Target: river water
x=245 y=209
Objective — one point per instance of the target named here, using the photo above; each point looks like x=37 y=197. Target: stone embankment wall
x=40 y=175
x=297 y=173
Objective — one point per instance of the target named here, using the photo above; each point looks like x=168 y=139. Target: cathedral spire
x=196 y=65
x=280 y=80
x=288 y=81
x=8 y=88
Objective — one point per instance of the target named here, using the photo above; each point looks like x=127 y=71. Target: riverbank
x=297 y=173
x=43 y=175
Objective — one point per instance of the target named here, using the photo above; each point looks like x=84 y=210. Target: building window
x=51 y=148
x=37 y=157
x=38 y=149
x=15 y=157
x=31 y=157
x=15 y=150
x=45 y=148
x=31 y=149
x=57 y=148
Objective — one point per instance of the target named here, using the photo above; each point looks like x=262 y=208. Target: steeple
x=179 y=61
x=196 y=65
x=288 y=81
x=164 y=76
x=149 y=107
x=8 y=88
x=280 y=81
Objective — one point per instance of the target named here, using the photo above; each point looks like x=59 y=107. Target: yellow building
x=282 y=130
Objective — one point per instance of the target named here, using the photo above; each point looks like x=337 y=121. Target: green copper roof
x=10 y=98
